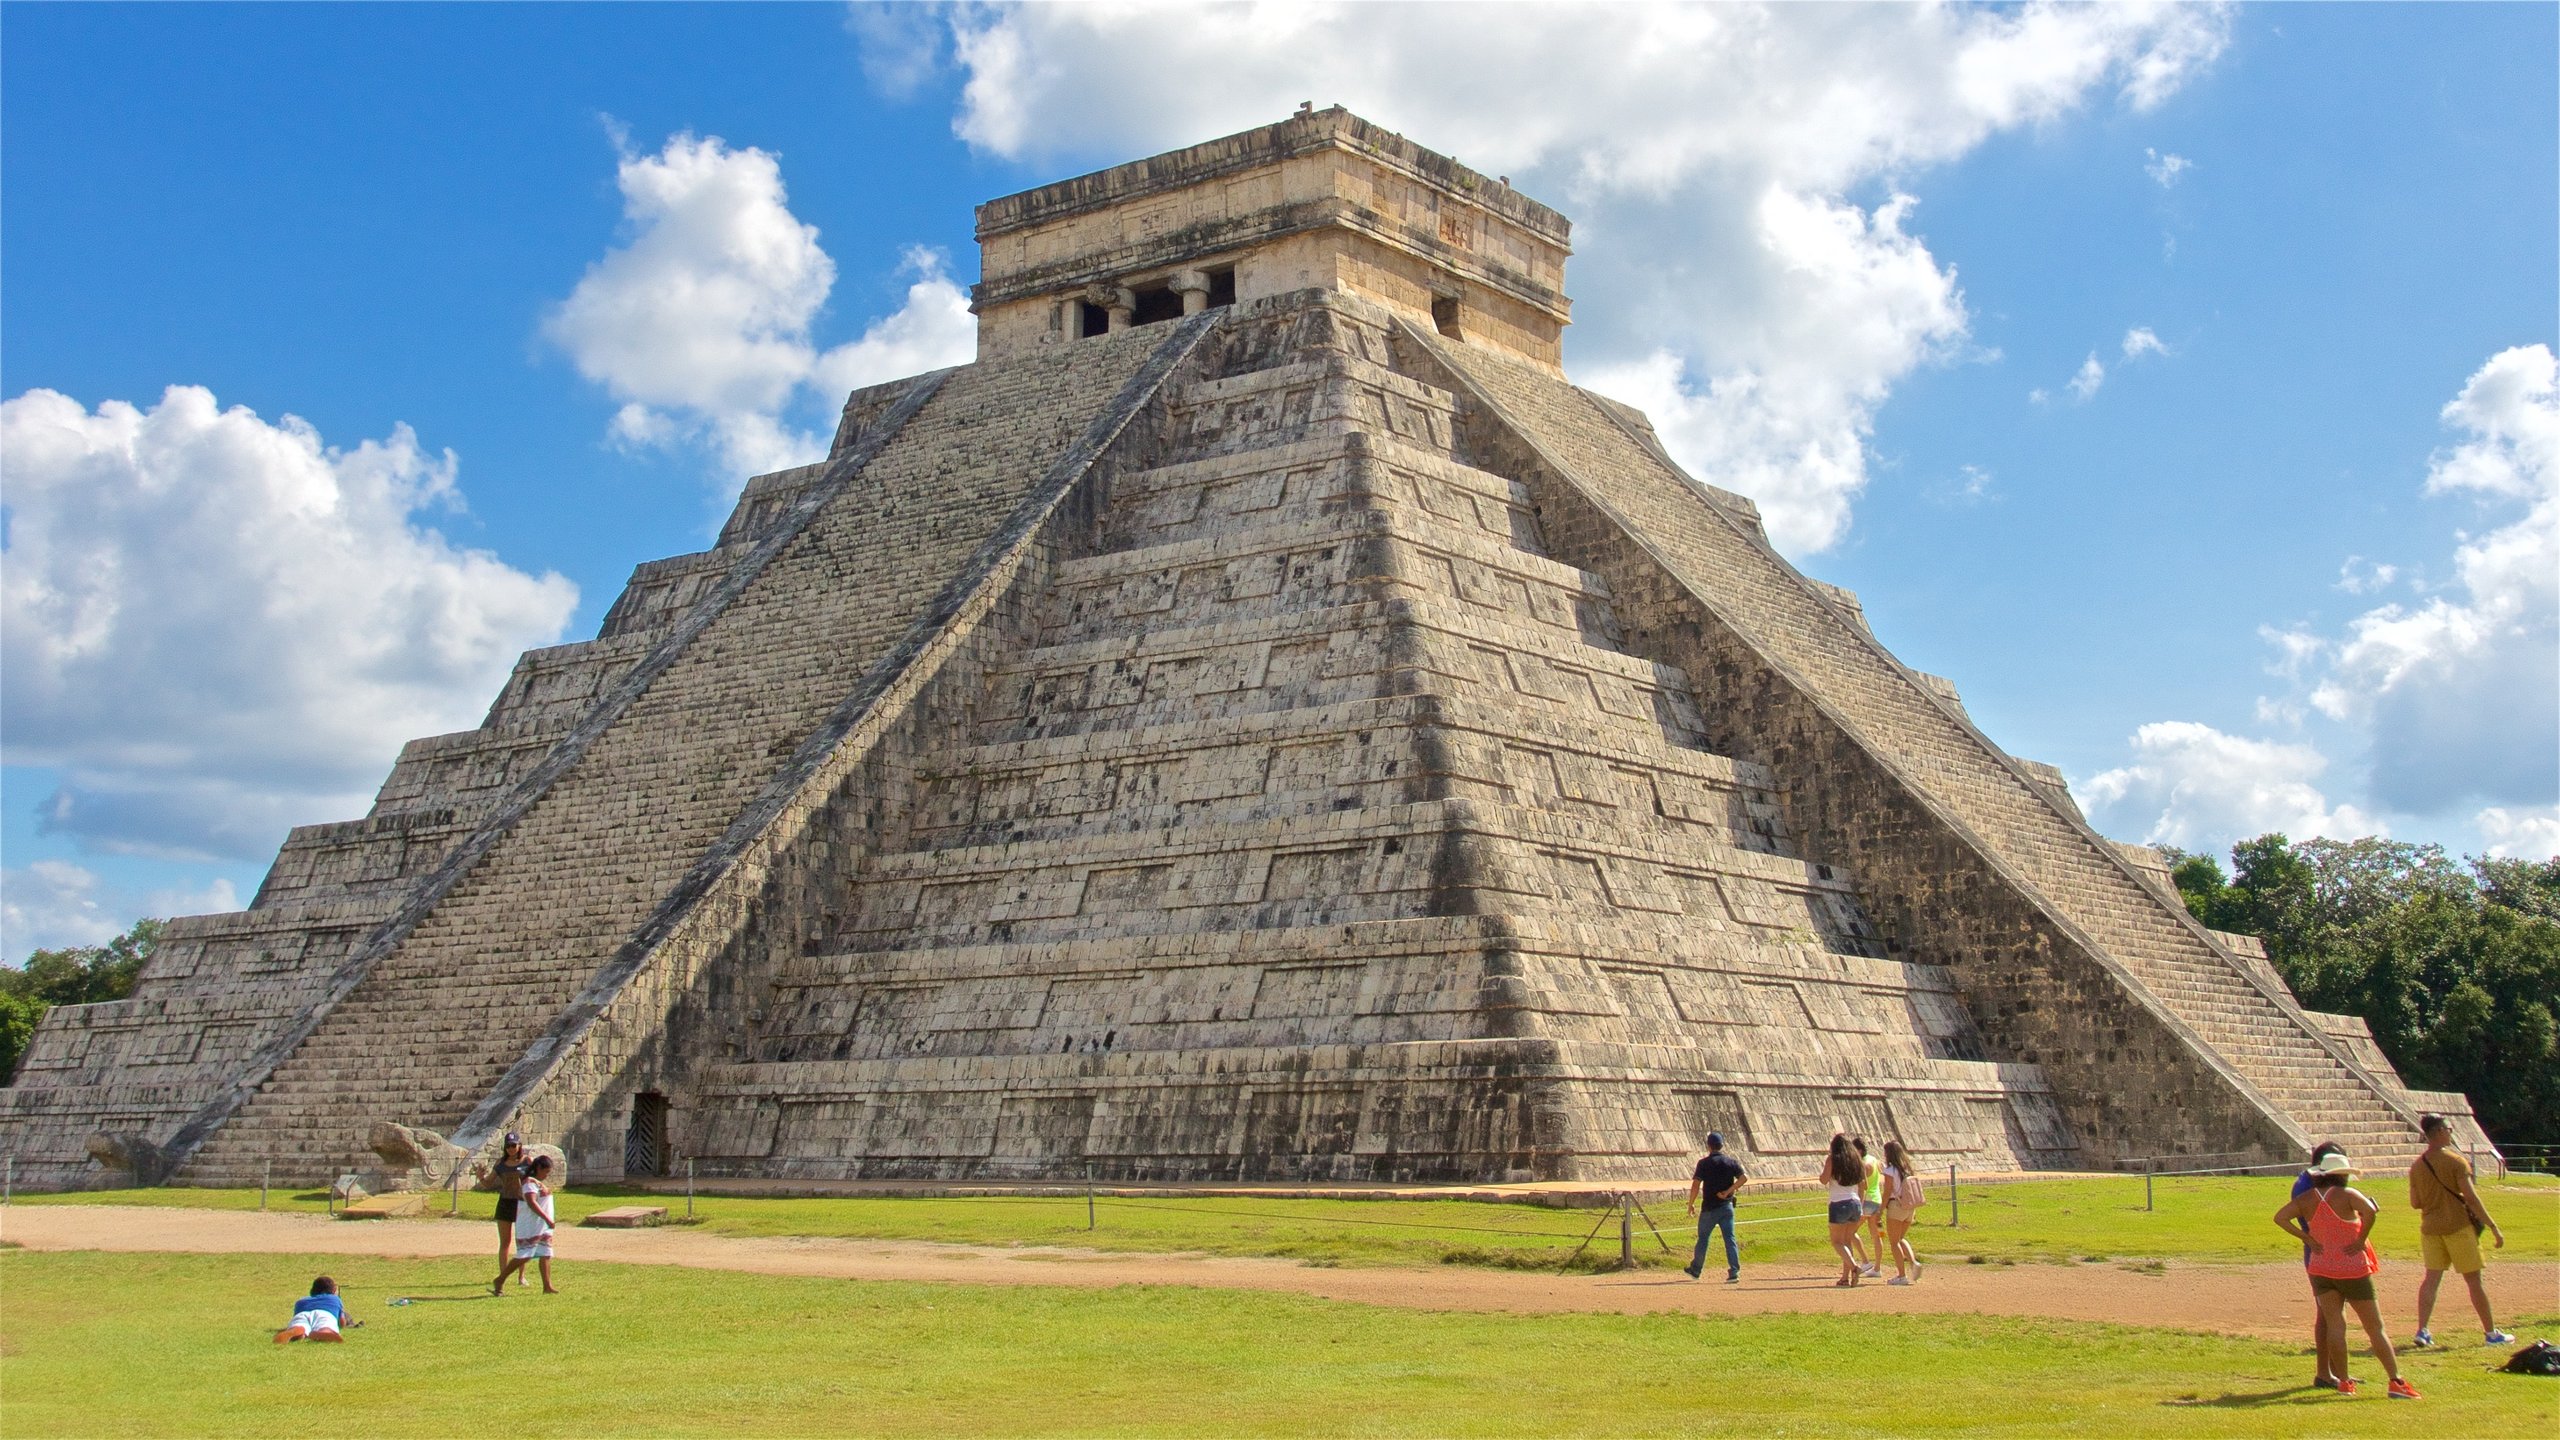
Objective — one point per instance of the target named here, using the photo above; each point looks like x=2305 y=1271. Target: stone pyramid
x=1258 y=721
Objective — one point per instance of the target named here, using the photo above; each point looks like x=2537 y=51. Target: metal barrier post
x=688 y=1187
x=8 y=1179
x=1955 y=1200
x=1626 y=1230
x=2148 y=1168
x=1088 y=1195
x=455 y=1208
x=266 y=1176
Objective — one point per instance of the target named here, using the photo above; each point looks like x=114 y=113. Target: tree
x=2529 y=887
x=2455 y=968
x=77 y=975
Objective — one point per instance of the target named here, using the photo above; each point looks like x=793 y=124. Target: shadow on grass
x=2292 y=1395
x=427 y=1295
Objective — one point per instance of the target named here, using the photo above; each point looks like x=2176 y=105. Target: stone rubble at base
x=1257 y=722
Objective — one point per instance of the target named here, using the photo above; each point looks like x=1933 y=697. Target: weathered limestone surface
x=1316 y=822
x=1976 y=865
x=1269 y=727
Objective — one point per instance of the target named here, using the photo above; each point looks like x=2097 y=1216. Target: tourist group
x=1873 y=1202
x=1872 y=1205
x=525 y=1211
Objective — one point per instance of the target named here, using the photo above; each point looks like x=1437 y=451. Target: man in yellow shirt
x=2449 y=1223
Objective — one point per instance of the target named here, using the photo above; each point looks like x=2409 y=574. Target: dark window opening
x=1091 y=319
x=1156 y=302
x=1222 y=287
x=644 y=1145
x=1444 y=313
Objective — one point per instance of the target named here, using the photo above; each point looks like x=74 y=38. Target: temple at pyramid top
x=1323 y=200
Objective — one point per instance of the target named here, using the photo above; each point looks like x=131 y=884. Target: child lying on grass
x=318 y=1315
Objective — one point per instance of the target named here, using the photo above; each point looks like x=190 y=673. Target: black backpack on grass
x=2539 y=1358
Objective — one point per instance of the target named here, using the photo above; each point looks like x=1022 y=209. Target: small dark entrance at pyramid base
x=644 y=1145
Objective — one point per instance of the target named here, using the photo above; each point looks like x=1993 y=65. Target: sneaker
x=1685 y=1270
x=2497 y=1337
x=2323 y=1382
x=2423 y=1340
x=1898 y=1280
x=2346 y=1386
x=1734 y=1279
x=2402 y=1390
x=1915 y=1272
x=1870 y=1271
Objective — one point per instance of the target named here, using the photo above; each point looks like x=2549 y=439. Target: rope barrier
x=1344 y=1220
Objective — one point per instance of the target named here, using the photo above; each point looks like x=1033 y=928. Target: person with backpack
x=1903 y=1197
x=2335 y=1222
x=2450 y=1219
x=1844 y=1181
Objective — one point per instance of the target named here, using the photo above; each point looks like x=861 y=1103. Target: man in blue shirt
x=1711 y=1189
x=316 y=1316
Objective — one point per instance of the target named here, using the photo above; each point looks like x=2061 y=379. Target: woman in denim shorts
x=1844 y=1179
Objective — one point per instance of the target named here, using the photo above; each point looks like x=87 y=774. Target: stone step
x=1790 y=621
x=1307 y=481
x=1220 y=671
x=1334 y=757
x=1302 y=399
x=1368 y=554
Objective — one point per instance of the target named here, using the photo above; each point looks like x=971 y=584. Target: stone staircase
x=1318 y=679
x=2258 y=1031
x=432 y=1026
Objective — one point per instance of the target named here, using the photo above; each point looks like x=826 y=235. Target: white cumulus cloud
x=2085 y=381
x=700 y=322
x=2164 y=170
x=54 y=904
x=214 y=626
x=2359 y=576
x=2522 y=832
x=2195 y=787
x=49 y=905
x=1733 y=275
x=2461 y=692
x=2455 y=697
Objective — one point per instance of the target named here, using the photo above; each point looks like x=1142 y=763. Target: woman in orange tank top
x=2335 y=1222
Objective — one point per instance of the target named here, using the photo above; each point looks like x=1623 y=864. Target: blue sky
x=2250 y=572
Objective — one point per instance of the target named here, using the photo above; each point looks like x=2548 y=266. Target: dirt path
x=2254 y=1300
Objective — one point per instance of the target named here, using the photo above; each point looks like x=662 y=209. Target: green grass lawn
x=94 y=1344
x=2064 y=1220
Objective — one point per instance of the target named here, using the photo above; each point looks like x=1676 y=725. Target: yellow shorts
x=2458 y=1252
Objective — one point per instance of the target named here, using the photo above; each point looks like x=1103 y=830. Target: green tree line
x=2455 y=966
x=79 y=975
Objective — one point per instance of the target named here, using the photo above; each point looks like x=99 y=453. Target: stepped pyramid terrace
x=1258 y=721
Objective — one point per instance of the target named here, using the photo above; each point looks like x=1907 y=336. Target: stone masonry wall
x=1284 y=751
x=432 y=1028
x=1952 y=892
